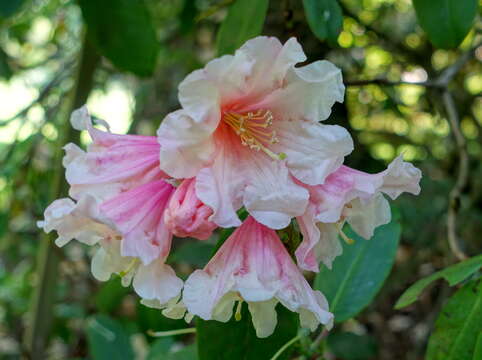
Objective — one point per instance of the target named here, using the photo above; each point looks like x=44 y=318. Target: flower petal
x=138 y=216
x=400 y=177
x=157 y=281
x=264 y=317
x=365 y=215
x=187 y=146
x=271 y=196
x=308 y=93
x=313 y=151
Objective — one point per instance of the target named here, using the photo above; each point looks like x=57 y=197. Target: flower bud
x=186 y=215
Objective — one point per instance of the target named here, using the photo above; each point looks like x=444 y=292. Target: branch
x=462 y=176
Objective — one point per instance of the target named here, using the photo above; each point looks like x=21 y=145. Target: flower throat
x=254 y=130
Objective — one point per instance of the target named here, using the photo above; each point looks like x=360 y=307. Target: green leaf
x=244 y=21
x=349 y=346
x=160 y=348
x=10 y=7
x=359 y=273
x=237 y=340
x=195 y=253
x=324 y=18
x=446 y=22
x=107 y=339
x=186 y=353
x=453 y=274
x=123 y=32
x=458 y=325
x=110 y=295
x=478 y=348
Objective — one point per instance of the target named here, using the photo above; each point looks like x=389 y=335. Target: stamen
x=131 y=266
x=347 y=239
x=237 y=314
x=253 y=130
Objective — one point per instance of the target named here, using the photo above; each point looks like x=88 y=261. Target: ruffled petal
x=365 y=215
x=138 y=215
x=313 y=151
x=74 y=221
x=112 y=164
x=157 y=281
x=187 y=145
x=271 y=196
x=308 y=93
x=400 y=177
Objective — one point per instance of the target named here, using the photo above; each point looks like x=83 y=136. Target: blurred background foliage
x=125 y=59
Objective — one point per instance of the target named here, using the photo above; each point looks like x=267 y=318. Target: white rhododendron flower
x=355 y=197
x=254 y=266
x=249 y=126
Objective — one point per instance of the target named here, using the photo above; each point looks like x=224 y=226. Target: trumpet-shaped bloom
x=254 y=266
x=186 y=215
x=249 y=127
x=355 y=197
x=121 y=196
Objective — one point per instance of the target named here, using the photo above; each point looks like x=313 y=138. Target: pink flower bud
x=186 y=215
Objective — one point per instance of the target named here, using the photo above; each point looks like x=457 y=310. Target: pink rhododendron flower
x=355 y=197
x=186 y=215
x=249 y=127
x=121 y=196
x=254 y=266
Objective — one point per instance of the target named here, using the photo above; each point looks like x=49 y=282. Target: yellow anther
x=237 y=314
x=253 y=130
x=347 y=239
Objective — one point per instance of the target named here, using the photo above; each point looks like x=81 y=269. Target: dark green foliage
x=123 y=32
x=325 y=18
x=349 y=346
x=458 y=326
x=359 y=273
x=446 y=22
x=236 y=340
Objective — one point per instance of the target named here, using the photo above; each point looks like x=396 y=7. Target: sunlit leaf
x=244 y=21
x=453 y=274
x=359 y=273
x=458 y=326
x=237 y=340
x=107 y=339
x=123 y=32
x=324 y=18
x=446 y=22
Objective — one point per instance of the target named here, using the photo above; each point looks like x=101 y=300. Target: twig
x=462 y=176
x=171 y=332
x=316 y=343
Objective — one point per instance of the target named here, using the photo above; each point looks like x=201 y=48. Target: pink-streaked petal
x=271 y=196
x=138 y=215
x=186 y=215
x=313 y=150
x=187 y=146
x=254 y=264
x=220 y=186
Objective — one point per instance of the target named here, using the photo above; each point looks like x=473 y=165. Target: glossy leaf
x=359 y=273
x=453 y=274
x=446 y=22
x=324 y=18
x=107 y=339
x=244 y=21
x=349 y=346
x=110 y=295
x=236 y=340
x=458 y=326
x=123 y=32
x=195 y=253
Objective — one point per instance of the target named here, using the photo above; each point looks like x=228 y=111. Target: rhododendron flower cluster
x=248 y=136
